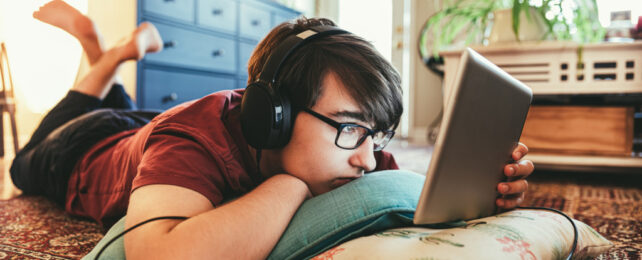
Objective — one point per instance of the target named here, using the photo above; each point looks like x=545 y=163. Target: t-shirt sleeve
x=385 y=161
x=180 y=161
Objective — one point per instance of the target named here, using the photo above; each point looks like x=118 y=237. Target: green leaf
x=470 y=18
x=516 y=11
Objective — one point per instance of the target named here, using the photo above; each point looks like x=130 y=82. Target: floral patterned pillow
x=517 y=234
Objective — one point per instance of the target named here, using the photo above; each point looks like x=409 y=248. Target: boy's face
x=312 y=156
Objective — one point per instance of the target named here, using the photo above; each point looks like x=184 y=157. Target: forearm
x=247 y=228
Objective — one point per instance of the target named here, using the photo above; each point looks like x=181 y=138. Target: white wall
x=375 y=25
x=426 y=99
x=422 y=88
x=116 y=19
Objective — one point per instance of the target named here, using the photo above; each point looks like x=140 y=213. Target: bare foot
x=143 y=40
x=61 y=15
x=97 y=83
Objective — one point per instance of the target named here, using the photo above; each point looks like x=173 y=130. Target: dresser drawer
x=282 y=17
x=165 y=89
x=244 y=56
x=178 y=9
x=255 y=22
x=217 y=14
x=196 y=50
x=241 y=83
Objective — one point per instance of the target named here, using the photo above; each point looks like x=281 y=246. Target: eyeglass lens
x=351 y=136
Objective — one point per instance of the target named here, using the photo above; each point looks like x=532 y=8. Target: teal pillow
x=116 y=250
x=375 y=202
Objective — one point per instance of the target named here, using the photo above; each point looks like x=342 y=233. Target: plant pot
x=533 y=29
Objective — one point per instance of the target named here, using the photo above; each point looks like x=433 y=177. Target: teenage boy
x=193 y=160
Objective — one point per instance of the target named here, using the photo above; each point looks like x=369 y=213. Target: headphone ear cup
x=257 y=115
x=287 y=122
x=266 y=117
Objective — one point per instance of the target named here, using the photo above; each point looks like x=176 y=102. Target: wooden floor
x=7 y=190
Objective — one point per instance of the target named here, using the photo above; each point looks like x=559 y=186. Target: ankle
x=123 y=53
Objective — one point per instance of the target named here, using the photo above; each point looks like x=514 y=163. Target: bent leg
x=71 y=106
x=119 y=99
x=88 y=95
x=97 y=82
x=60 y=14
x=40 y=157
x=45 y=169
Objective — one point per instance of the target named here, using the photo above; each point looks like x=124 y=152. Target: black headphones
x=266 y=114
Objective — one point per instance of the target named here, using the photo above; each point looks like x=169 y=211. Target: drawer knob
x=167 y=1
x=170 y=97
x=256 y=22
x=218 y=53
x=217 y=12
x=169 y=44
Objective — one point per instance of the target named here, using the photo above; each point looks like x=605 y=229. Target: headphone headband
x=284 y=50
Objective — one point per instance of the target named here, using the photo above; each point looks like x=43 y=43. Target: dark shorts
x=68 y=131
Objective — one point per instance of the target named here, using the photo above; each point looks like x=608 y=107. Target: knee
x=16 y=170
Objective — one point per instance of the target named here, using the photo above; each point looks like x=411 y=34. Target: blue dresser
x=207 y=46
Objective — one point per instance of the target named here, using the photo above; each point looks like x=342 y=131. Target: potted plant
x=470 y=21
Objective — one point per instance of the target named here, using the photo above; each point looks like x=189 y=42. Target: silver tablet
x=483 y=120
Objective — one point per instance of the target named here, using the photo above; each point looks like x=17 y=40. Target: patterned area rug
x=35 y=228
x=611 y=204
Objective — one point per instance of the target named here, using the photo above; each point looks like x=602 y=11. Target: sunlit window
x=605 y=7
x=44 y=60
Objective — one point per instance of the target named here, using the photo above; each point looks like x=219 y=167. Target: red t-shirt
x=197 y=145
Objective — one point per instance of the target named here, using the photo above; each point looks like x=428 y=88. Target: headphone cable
x=132 y=228
x=258 y=168
x=575 y=235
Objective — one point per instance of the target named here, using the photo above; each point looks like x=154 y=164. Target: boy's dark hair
x=370 y=80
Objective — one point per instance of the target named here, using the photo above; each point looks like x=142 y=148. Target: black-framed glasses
x=351 y=136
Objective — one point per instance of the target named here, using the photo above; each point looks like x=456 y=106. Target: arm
x=247 y=228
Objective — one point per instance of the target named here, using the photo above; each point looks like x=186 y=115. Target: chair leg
x=2 y=131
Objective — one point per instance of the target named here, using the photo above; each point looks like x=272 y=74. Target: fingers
x=513 y=187
x=519 y=151
x=510 y=202
x=520 y=169
x=513 y=191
